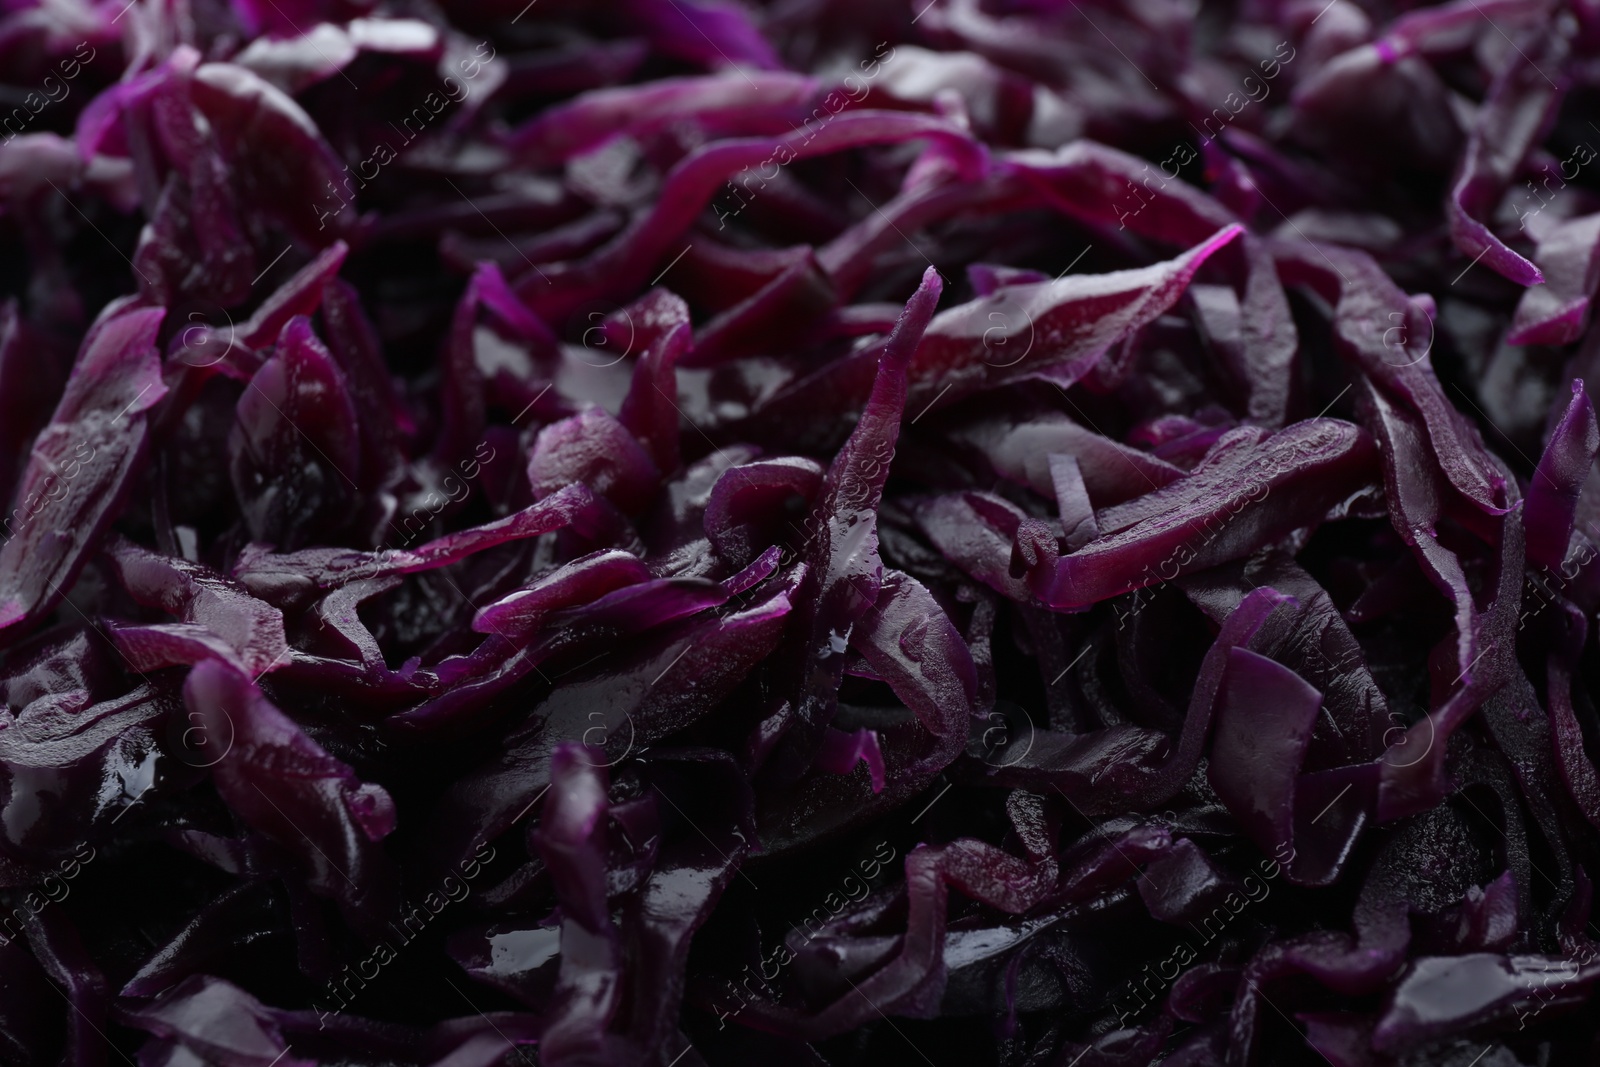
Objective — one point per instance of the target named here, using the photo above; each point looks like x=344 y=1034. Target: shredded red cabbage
x=695 y=533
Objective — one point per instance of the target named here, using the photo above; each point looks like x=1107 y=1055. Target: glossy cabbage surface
x=813 y=533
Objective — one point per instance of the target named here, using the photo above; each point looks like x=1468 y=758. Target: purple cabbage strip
x=82 y=464
x=688 y=533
